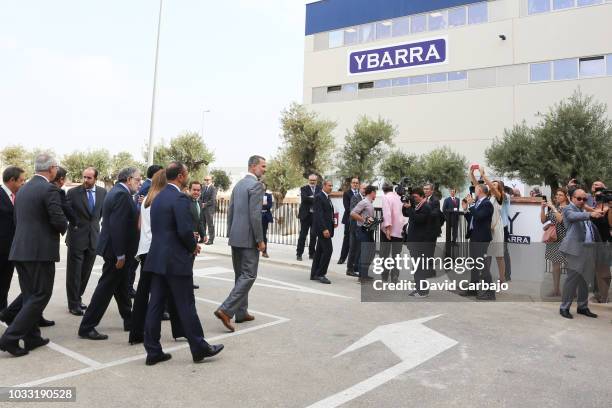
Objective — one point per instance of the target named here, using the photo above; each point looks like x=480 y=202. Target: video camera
x=404 y=190
x=370 y=224
x=604 y=196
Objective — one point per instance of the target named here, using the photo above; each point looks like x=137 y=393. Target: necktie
x=90 y=201
x=13 y=198
x=197 y=206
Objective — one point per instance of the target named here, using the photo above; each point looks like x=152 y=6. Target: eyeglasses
x=580 y=198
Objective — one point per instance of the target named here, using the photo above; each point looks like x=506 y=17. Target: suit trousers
x=112 y=283
x=36 y=282
x=389 y=249
x=78 y=270
x=346 y=242
x=181 y=289
x=479 y=250
x=579 y=272
x=507 y=261
x=322 y=257
x=6 y=276
x=366 y=252
x=419 y=250
x=141 y=304
x=245 y=262
x=209 y=224
x=305 y=225
x=352 y=263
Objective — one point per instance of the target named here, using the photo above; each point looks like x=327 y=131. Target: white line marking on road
x=73 y=354
x=213 y=270
x=290 y=287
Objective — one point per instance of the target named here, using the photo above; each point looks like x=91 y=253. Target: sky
x=78 y=75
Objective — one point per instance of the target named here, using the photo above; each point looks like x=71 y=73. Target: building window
x=592 y=66
x=418 y=23
x=351 y=36
x=349 y=88
x=563 y=4
x=416 y=80
x=401 y=82
x=334 y=88
x=456 y=17
x=437 y=20
x=383 y=29
x=538 y=6
x=367 y=32
x=609 y=64
x=457 y=76
x=401 y=26
x=336 y=39
x=436 y=77
x=477 y=13
x=582 y=3
x=540 y=72
x=366 y=85
x=565 y=69
x=382 y=83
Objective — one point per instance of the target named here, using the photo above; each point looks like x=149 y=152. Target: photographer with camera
x=418 y=235
x=603 y=200
x=391 y=239
x=363 y=214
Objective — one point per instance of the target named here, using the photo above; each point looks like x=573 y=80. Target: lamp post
x=151 y=147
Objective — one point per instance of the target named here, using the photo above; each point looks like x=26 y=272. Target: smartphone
x=544 y=198
x=474 y=166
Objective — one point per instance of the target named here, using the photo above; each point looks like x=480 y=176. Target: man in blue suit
x=170 y=259
x=479 y=215
x=117 y=244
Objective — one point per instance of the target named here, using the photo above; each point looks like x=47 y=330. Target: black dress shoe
x=299 y=257
x=211 y=351
x=45 y=323
x=323 y=279
x=4 y=318
x=566 y=313
x=127 y=326
x=36 y=343
x=83 y=306
x=165 y=316
x=152 y=360
x=76 y=312
x=341 y=261
x=134 y=341
x=93 y=335
x=196 y=286
x=486 y=295
x=352 y=273
x=585 y=311
x=467 y=293
x=13 y=349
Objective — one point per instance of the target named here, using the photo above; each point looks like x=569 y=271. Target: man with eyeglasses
x=209 y=203
x=578 y=246
x=86 y=202
x=307 y=195
x=118 y=243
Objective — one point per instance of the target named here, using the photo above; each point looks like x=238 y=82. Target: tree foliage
x=365 y=146
x=221 y=179
x=281 y=175
x=307 y=139
x=77 y=161
x=189 y=148
x=572 y=140
x=19 y=156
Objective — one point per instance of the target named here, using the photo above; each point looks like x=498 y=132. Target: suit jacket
x=354 y=201
x=197 y=217
x=346 y=202
x=307 y=200
x=323 y=215
x=7 y=224
x=119 y=235
x=481 y=231
x=448 y=204
x=66 y=208
x=209 y=198
x=39 y=221
x=419 y=223
x=266 y=210
x=84 y=231
x=173 y=243
x=573 y=219
x=244 y=227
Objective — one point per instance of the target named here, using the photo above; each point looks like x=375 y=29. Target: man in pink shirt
x=391 y=229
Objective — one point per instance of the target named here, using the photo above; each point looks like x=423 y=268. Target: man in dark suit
x=209 y=204
x=450 y=208
x=117 y=243
x=418 y=236
x=323 y=226
x=479 y=216
x=352 y=263
x=436 y=222
x=39 y=215
x=307 y=195
x=346 y=219
x=197 y=214
x=170 y=259
x=86 y=203
x=12 y=180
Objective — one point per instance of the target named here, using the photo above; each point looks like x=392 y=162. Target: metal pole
x=151 y=147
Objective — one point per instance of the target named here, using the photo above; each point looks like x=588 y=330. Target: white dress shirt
x=145 y=231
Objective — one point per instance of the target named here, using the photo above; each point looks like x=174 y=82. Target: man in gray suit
x=209 y=203
x=245 y=234
x=579 y=249
x=39 y=221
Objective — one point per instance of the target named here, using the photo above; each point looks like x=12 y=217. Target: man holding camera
x=323 y=228
x=363 y=214
x=418 y=236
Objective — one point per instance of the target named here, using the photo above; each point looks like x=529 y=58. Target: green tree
x=365 y=147
x=308 y=140
x=189 y=148
x=398 y=165
x=119 y=162
x=77 y=161
x=19 y=156
x=281 y=175
x=572 y=140
x=221 y=179
x=444 y=168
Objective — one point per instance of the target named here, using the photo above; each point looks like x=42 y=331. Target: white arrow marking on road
x=411 y=341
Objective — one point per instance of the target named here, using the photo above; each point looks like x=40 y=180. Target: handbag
x=550 y=234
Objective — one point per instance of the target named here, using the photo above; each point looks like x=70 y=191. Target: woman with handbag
x=554 y=232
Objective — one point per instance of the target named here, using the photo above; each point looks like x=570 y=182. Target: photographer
x=391 y=229
x=418 y=235
x=603 y=200
x=363 y=214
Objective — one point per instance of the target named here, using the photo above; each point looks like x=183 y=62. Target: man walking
x=197 y=214
x=346 y=219
x=245 y=234
x=323 y=227
x=209 y=204
x=170 y=260
x=118 y=242
x=86 y=203
x=38 y=213
x=307 y=195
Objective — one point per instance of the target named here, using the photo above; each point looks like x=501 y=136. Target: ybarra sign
x=424 y=52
